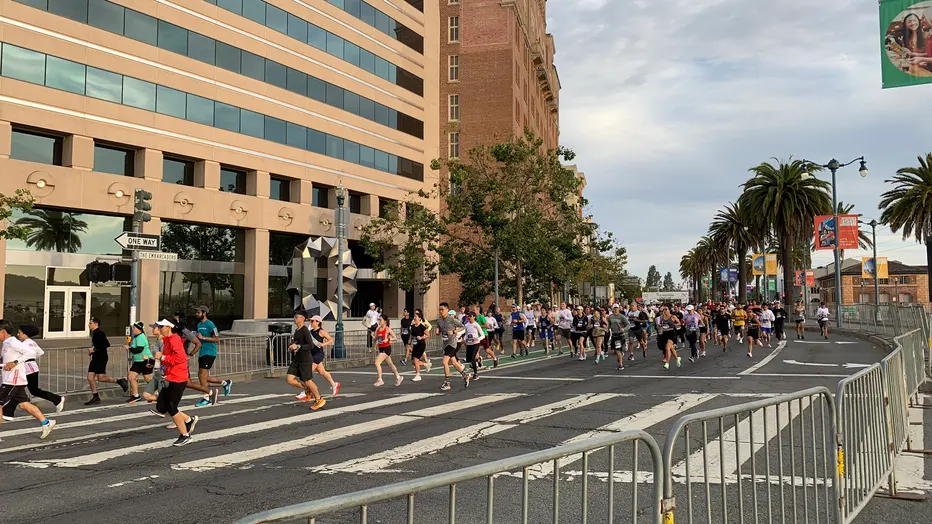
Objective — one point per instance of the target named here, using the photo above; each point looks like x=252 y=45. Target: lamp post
x=833 y=166
x=595 y=300
x=338 y=343
x=873 y=225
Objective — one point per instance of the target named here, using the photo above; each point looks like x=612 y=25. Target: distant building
x=905 y=285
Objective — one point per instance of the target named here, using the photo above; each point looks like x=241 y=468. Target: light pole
x=595 y=239
x=873 y=225
x=339 y=349
x=833 y=166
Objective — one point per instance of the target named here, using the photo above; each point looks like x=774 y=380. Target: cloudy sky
x=667 y=103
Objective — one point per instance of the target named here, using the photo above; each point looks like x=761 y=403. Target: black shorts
x=418 y=350
x=665 y=336
x=722 y=330
x=205 y=361
x=304 y=371
x=617 y=342
x=318 y=357
x=565 y=333
x=753 y=333
x=703 y=330
x=170 y=397
x=405 y=339
x=450 y=351
x=142 y=368
x=800 y=321
x=13 y=395
x=575 y=337
x=387 y=350
x=517 y=334
x=98 y=365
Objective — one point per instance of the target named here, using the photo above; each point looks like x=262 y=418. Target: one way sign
x=139 y=241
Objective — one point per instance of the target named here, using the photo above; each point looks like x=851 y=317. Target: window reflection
x=67 y=232
x=203 y=242
x=222 y=293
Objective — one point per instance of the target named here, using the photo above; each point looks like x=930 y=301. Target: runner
x=97 y=369
x=384 y=337
x=691 y=322
x=565 y=325
x=578 y=334
x=490 y=330
x=25 y=335
x=779 y=317
x=721 y=320
x=321 y=340
x=754 y=330
x=406 y=335
x=545 y=327
x=530 y=327
x=704 y=323
x=420 y=332
x=192 y=346
x=666 y=335
x=767 y=319
x=175 y=361
x=800 y=311
x=371 y=322
x=473 y=337
x=13 y=390
x=598 y=325
x=301 y=370
x=822 y=315
x=518 y=323
x=499 y=330
x=449 y=329
x=738 y=318
x=143 y=362
x=158 y=382
x=208 y=335
x=618 y=325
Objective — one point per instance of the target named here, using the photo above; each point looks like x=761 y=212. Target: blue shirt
x=207 y=329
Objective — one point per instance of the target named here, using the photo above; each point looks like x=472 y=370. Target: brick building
x=905 y=285
x=497 y=78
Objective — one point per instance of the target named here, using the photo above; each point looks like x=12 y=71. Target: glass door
x=67 y=311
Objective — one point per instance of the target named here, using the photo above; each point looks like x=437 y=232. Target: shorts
x=142 y=368
x=206 y=361
x=317 y=358
x=617 y=342
x=532 y=330
x=703 y=330
x=800 y=321
x=575 y=337
x=663 y=337
x=517 y=334
x=304 y=371
x=170 y=397
x=156 y=384
x=546 y=334
x=766 y=330
x=405 y=339
x=485 y=342
x=418 y=350
x=823 y=321
x=13 y=395
x=753 y=333
x=387 y=350
x=450 y=351
x=722 y=330
x=98 y=365
x=565 y=333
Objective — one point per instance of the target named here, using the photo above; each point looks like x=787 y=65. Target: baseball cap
x=451 y=313
x=689 y=307
x=316 y=318
x=139 y=325
x=515 y=305
x=164 y=323
x=205 y=309
x=371 y=304
x=154 y=325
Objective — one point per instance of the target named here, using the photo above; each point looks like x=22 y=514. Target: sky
x=668 y=103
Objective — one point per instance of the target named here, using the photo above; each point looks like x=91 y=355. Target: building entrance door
x=67 y=311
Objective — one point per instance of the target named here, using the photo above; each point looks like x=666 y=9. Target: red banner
x=808 y=275
x=825 y=232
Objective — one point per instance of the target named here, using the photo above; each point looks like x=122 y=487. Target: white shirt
x=767 y=318
x=491 y=323
x=34 y=352
x=565 y=319
x=822 y=313
x=473 y=333
x=529 y=316
x=371 y=318
x=14 y=350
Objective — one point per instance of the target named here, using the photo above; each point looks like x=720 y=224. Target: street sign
x=849 y=309
x=139 y=241
x=158 y=255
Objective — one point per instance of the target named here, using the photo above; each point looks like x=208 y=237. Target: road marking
x=141 y=479
x=559 y=379
x=765 y=360
x=385 y=460
x=815 y=375
x=97 y=458
x=121 y=405
x=252 y=455
x=686 y=377
x=816 y=364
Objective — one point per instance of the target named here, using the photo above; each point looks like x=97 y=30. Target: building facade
x=241 y=117
x=497 y=79
x=905 y=285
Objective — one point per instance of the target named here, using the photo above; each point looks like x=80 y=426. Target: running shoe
x=750 y=355
x=8 y=419
x=156 y=413
x=666 y=365
x=227 y=386
x=132 y=400
x=428 y=365
x=47 y=428
x=399 y=380
x=213 y=396
x=691 y=359
x=620 y=367
x=582 y=357
x=301 y=396
x=319 y=403
x=560 y=353
x=336 y=389
x=702 y=354
x=60 y=406
x=495 y=363
x=417 y=378
x=474 y=377
x=123 y=384
x=182 y=440
x=631 y=356
x=203 y=402
x=378 y=383
x=189 y=425
x=445 y=386
x=93 y=401
x=171 y=426
x=679 y=361
x=465 y=380
x=404 y=362
x=514 y=356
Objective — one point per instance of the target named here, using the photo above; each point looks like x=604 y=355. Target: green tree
x=50 y=230
x=785 y=203
x=692 y=272
x=668 y=284
x=653 y=277
x=731 y=229
x=20 y=201
x=908 y=206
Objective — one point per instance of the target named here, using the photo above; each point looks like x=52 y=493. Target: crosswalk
x=386 y=433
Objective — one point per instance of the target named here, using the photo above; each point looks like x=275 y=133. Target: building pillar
x=302 y=191
x=78 y=152
x=6 y=139
x=393 y=299
x=148 y=164
x=2 y=271
x=257 y=183
x=370 y=205
x=207 y=174
x=256 y=283
x=149 y=273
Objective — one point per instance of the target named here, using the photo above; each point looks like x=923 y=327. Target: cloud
x=668 y=103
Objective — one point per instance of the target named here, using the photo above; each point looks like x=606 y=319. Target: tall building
x=241 y=117
x=497 y=78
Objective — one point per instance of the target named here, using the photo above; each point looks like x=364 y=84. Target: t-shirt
x=580 y=324
x=405 y=326
x=779 y=315
x=618 y=323
x=100 y=342
x=739 y=316
x=766 y=318
x=692 y=321
x=174 y=359
x=445 y=326
x=492 y=324
x=302 y=338
x=499 y=321
x=565 y=318
x=483 y=321
x=418 y=331
x=531 y=321
x=189 y=339
x=34 y=352
x=721 y=321
x=473 y=333
x=140 y=341
x=371 y=319
x=801 y=313
x=822 y=313
x=207 y=329
x=14 y=350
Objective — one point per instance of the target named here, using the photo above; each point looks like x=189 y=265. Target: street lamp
x=873 y=225
x=338 y=346
x=833 y=166
x=592 y=247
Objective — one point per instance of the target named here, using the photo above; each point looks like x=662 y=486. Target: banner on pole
x=871 y=270
x=757 y=264
x=764 y=264
x=825 y=232
x=905 y=42
x=807 y=276
x=771 y=264
x=729 y=275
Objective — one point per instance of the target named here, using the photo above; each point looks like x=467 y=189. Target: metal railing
x=883 y=319
x=495 y=511
x=738 y=469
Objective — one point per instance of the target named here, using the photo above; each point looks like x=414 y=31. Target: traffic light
x=142 y=206
x=98 y=272
x=120 y=272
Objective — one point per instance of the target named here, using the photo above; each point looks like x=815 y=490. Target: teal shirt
x=207 y=329
x=140 y=341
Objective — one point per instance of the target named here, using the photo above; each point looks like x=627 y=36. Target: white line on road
x=559 y=379
x=384 y=461
x=682 y=377
x=816 y=375
x=141 y=479
x=252 y=455
x=765 y=360
x=120 y=405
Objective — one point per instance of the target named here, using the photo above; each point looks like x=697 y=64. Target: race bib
x=618 y=343
x=404 y=331
x=470 y=339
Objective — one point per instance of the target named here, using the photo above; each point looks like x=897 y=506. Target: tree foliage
x=21 y=200
x=51 y=230
x=653 y=277
x=668 y=284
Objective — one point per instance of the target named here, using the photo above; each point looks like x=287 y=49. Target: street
x=259 y=448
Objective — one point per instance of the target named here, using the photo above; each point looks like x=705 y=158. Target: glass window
x=381 y=114
x=454 y=106
x=317 y=37
x=141 y=27
x=316 y=89
x=334 y=45
x=280 y=189
x=226 y=117
x=351 y=53
x=366 y=108
x=64 y=74
x=173 y=38
x=319 y=196
x=232 y=5
x=366 y=156
x=297 y=82
x=334 y=146
x=334 y=95
x=366 y=60
x=367 y=14
x=276 y=74
x=351 y=102
x=200 y=110
x=104 y=85
x=253 y=66
x=203 y=242
x=393 y=164
x=73 y=9
x=38 y=4
x=454 y=72
x=254 y=10
x=232 y=181
x=454 y=23
x=176 y=171
x=383 y=23
x=228 y=57
x=454 y=145
x=23 y=64
x=351 y=151
x=170 y=101
x=316 y=142
x=297 y=136
x=275 y=130
x=36 y=147
x=106 y=15
x=89 y=234
x=381 y=160
x=252 y=123
x=114 y=160
x=381 y=68
x=297 y=28
x=136 y=93
x=353 y=7
x=201 y=48
x=276 y=18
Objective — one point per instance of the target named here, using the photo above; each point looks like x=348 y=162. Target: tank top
x=315 y=334
x=382 y=337
x=516 y=320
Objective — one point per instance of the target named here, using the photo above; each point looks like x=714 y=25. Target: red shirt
x=381 y=336
x=174 y=359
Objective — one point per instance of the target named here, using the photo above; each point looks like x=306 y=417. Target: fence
x=883 y=319
x=495 y=473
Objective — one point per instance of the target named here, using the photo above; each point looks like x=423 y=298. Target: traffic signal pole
x=141 y=208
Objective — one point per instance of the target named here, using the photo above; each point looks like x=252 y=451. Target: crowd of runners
x=472 y=339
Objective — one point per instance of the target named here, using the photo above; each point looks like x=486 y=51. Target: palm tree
x=709 y=257
x=691 y=270
x=53 y=230
x=730 y=228
x=786 y=203
x=908 y=206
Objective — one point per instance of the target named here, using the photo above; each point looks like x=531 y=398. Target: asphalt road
x=259 y=449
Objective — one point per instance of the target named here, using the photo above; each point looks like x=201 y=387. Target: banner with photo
x=825 y=232
x=906 y=42
x=771 y=264
x=729 y=275
x=763 y=264
x=871 y=270
x=807 y=276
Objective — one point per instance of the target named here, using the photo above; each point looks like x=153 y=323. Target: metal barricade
x=64 y=370
x=739 y=469
x=494 y=510
x=237 y=356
